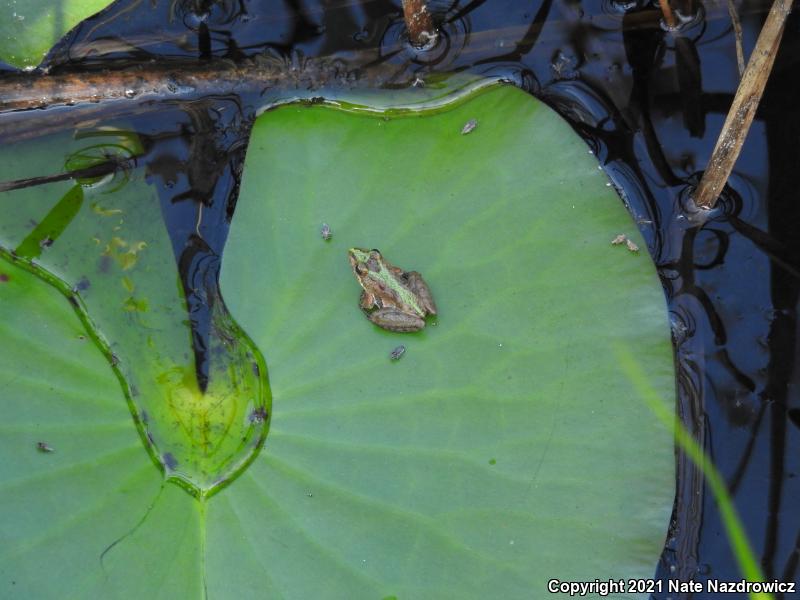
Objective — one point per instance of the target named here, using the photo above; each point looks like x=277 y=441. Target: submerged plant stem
x=744 y=106
x=98 y=170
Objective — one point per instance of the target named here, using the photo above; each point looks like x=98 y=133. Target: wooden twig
x=143 y=82
x=737 y=35
x=36 y=104
x=740 y=116
x=419 y=22
x=669 y=15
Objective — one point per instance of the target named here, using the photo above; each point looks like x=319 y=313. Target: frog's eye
x=374 y=254
x=361 y=269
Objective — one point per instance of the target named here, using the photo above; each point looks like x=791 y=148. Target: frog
x=393 y=299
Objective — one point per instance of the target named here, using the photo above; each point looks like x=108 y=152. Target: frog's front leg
x=396 y=320
x=367 y=300
x=421 y=290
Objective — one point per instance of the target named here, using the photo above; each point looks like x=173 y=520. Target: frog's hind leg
x=417 y=285
x=396 y=320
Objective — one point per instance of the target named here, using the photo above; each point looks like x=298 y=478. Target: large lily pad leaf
x=505 y=448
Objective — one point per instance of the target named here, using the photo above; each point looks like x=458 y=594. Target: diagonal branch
x=744 y=106
x=419 y=22
x=737 y=36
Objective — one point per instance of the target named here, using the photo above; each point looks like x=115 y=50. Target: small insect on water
x=44 y=447
x=326 y=232
x=82 y=285
x=624 y=239
x=469 y=126
x=397 y=352
x=620 y=239
x=169 y=461
x=259 y=415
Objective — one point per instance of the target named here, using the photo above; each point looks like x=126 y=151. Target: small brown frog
x=393 y=299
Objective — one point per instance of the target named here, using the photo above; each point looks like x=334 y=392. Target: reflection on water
x=648 y=100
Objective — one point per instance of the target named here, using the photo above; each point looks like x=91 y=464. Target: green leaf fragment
x=29 y=28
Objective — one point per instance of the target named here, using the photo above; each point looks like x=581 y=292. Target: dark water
x=649 y=102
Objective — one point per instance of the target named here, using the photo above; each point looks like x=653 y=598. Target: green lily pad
x=29 y=28
x=505 y=447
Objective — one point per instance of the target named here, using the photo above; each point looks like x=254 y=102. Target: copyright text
x=606 y=587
